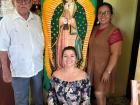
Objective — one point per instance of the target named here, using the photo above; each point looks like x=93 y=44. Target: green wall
x=124 y=18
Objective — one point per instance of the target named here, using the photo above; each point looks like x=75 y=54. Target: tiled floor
x=118 y=101
x=115 y=101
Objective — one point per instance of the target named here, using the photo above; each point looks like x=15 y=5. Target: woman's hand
x=72 y=22
x=63 y=21
x=69 y=21
x=105 y=77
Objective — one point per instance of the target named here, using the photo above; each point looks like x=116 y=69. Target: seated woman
x=69 y=85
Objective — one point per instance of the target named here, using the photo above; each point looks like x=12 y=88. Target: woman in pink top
x=104 y=50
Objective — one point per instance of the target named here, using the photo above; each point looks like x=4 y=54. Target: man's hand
x=6 y=75
x=5 y=65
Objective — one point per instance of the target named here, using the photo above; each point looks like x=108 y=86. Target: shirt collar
x=16 y=15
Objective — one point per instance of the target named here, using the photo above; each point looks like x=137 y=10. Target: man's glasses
x=104 y=13
x=21 y=1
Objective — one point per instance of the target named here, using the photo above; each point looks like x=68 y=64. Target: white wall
x=6 y=7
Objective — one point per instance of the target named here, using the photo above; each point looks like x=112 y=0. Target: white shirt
x=24 y=41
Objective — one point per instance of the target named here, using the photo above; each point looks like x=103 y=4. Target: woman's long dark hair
x=108 y=5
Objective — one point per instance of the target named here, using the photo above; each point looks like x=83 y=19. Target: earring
x=98 y=22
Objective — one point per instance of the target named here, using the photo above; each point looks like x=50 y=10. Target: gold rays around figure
x=47 y=12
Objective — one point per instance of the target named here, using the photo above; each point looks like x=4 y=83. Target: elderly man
x=21 y=52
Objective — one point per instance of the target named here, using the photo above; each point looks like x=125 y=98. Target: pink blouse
x=116 y=36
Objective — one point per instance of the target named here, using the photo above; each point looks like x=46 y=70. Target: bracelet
x=109 y=72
